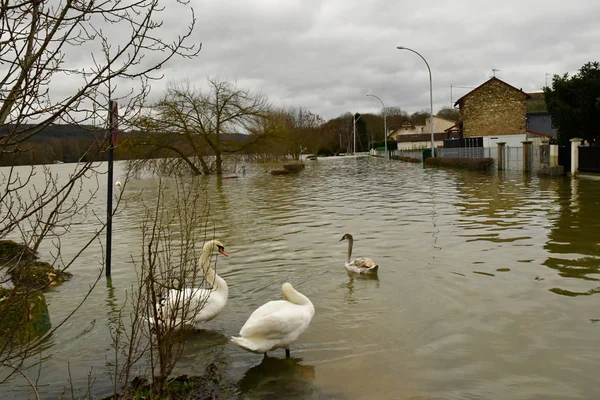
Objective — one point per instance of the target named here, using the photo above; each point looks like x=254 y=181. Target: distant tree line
x=64 y=143
x=199 y=131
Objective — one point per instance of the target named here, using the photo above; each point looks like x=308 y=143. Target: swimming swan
x=276 y=324
x=193 y=306
x=360 y=265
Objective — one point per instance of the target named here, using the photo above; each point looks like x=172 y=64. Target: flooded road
x=487 y=287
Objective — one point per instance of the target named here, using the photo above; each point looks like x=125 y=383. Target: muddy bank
x=209 y=386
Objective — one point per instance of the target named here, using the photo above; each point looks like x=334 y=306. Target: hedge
x=407 y=159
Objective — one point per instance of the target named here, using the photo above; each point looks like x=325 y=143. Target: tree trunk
x=219 y=162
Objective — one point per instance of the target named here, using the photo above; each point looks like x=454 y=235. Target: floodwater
x=487 y=289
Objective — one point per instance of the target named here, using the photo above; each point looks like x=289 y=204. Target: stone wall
x=493 y=109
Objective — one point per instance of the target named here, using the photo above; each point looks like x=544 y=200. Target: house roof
x=456 y=126
x=442 y=118
x=536 y=104
x=537 y=133
x=492 y=79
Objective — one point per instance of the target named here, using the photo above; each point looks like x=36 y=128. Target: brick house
x=494 y=108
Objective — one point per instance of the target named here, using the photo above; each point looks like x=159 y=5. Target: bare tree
x=198 y=125
x=308 y=128
x=152 y=337
x=279 y=142
x=60 y=63
x=296 y=130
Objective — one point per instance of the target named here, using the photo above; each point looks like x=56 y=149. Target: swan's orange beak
x=222 y=251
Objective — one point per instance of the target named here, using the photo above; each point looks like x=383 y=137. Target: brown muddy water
x=488 y=286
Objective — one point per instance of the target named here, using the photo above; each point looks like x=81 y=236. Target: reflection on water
x=488 y=286
x=278 y=378
x=351 y=298
x=204 y=339
x=575 y=250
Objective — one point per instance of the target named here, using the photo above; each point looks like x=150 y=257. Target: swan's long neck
x=210 y=275
x=293 y=296
x=350 y=243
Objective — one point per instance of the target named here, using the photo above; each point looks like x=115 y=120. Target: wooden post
x=526 y=156
x=501 y=147
x=575 y=143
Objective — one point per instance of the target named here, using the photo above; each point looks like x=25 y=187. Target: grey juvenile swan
x=360 y=265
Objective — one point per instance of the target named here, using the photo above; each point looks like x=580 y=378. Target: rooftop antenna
x=547 y=73
x=494 y=71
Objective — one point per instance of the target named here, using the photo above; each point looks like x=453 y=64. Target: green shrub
x=12 y=252
x=406 y=159
x=475 y=164
x=24 y=315
x=37 y=274
x=391 y=144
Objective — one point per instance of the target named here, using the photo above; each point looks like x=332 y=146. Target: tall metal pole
x=354 y=119
x=354 y=135
x=384 y=124
x=113 y=111
x=430 y=96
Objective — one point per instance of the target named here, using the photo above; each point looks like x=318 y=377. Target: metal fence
x=418 y=154
x=513 y=156
x=589 y=159
x=465 y=152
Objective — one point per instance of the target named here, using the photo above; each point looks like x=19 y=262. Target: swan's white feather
x=200 y=305
x=194 y=306
x=277 y=319
x=276 y=324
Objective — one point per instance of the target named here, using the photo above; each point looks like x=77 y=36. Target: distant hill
x=56 y=143
x=73 y=143
x=68 y=132
x=57 y=131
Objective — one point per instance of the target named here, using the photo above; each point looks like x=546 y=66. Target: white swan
x=360 y=265
x=118 y=184
x=193 y=306
x=276 y=324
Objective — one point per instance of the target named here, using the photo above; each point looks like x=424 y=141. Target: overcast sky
x=325 y=55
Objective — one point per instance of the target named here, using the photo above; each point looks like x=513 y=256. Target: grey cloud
x=326 y=55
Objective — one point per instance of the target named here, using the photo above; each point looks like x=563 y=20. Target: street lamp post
x=384 y=123
x=354 y=119
x=430 y=96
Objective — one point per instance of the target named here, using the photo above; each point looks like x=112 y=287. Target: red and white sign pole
x=113 y=133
